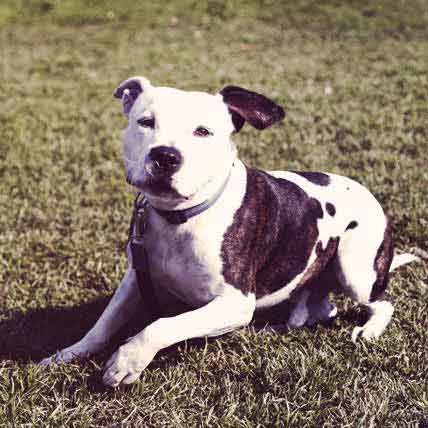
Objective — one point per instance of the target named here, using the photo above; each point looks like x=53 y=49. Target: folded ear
x=252 y=107
x=129 y=90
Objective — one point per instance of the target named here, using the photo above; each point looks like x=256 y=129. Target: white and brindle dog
x=228 y=240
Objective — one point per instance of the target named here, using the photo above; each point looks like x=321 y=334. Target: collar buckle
x=140 y=218
x=138 y=228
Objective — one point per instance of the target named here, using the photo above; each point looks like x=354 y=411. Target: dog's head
x=178 y=142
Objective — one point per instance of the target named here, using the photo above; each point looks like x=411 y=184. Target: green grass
x=353 y=77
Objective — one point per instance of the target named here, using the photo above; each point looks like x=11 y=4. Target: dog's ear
x=252 y=107
x=129 y=90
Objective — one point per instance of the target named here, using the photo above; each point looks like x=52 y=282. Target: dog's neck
x=198 y=203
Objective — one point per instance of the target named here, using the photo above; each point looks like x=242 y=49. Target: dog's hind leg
x=313 y=304
x=300 y=313
x=362 y=263
x=311 y=309
x=320 y=308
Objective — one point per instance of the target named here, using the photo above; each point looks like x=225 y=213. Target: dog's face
x=178 y=142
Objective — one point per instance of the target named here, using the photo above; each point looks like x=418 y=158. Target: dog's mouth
x=161 y=187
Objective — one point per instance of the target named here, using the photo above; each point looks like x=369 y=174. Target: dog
x=226 y=239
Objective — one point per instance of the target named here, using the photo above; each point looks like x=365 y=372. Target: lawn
x=353 y=77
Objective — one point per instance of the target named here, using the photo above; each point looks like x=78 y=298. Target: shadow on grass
x=38 y=333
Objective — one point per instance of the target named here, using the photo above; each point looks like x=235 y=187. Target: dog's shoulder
x=273 y=233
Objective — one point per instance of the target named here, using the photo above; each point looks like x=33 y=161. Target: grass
x=353 y=78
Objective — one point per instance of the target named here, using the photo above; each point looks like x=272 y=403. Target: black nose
x=165 y=159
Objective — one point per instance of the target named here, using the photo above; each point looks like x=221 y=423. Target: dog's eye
x=201 y=131
x=146 y=122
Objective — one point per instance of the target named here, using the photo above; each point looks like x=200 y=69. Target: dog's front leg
x=121 y=307
x=221 y=315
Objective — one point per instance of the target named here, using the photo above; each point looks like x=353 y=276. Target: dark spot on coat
x=351 y=225
x=330 y=209
x=318 y=178
x=272 y=236
x=382 y=263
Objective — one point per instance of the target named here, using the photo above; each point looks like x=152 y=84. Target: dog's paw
x=321 y=312
x=127 y=363
x=46 y=362
x=365 y=332
x=298 y=317
x=78 y=350
x=60 y=357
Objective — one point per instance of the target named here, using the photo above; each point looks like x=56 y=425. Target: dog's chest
x=184 y=263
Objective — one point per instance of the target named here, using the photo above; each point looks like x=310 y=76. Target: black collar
x=181 y=216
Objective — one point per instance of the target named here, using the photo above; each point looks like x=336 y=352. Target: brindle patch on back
x=382 y=263
x=272 y=236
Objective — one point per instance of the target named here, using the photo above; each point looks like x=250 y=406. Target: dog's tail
x=403 y=259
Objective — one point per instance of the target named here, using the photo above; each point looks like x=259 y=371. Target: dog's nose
x=165 y=159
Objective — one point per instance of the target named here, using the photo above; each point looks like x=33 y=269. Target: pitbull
x=227 y=239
